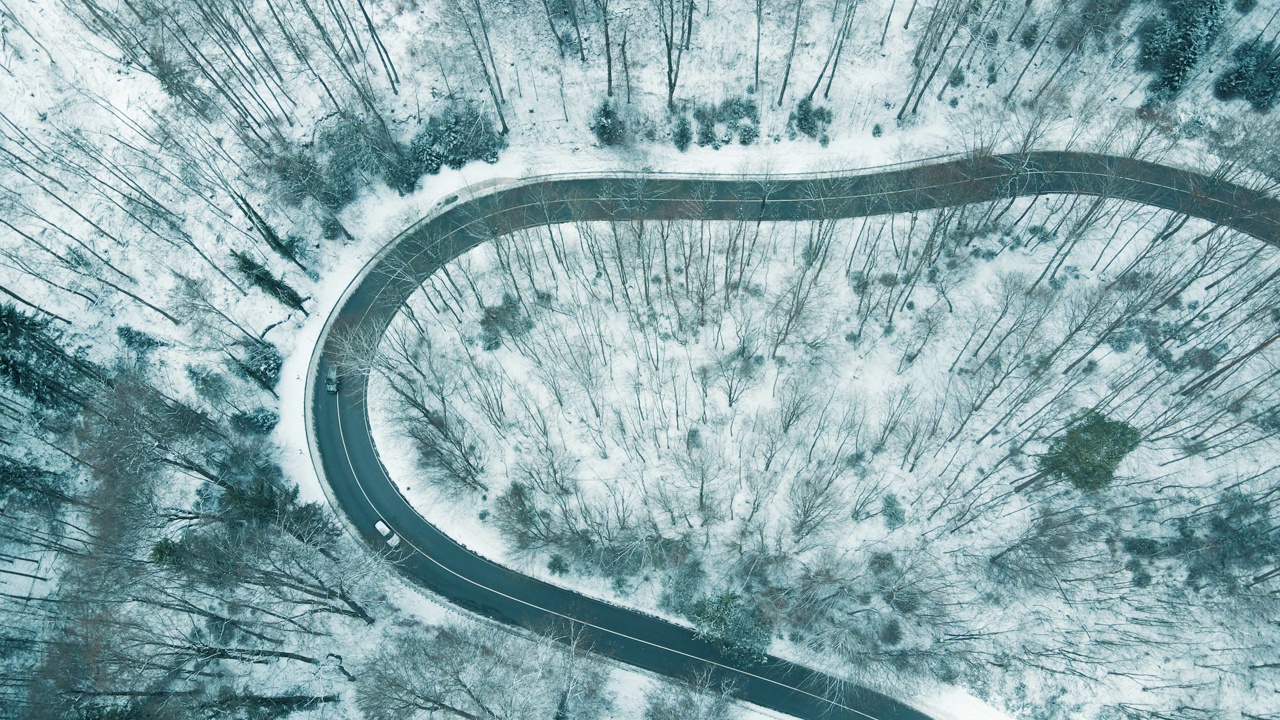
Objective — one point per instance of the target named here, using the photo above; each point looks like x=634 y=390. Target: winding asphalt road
x=344 y=453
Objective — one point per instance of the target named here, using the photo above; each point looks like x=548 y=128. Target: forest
x=895 y=444
x=1026 y=448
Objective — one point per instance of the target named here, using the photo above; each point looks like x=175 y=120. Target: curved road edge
x=352 y=475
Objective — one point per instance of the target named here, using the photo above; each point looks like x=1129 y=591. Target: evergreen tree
x=608 y=126
x=142 y=344
x=1088 y=454
x=262 y=363
x=1255 y=76
x=1173 y=44
x=30 y=485
x=34 y=364
x=682 y=135
x=256 y=273
x=260 y=421
x=460 y=134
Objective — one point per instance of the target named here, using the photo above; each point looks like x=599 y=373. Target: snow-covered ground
x=888 y=380
x=71 y=100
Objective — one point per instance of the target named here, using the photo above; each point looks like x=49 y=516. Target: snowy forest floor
x=186 y=188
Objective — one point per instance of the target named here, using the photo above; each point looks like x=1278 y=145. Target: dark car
x=331 y=381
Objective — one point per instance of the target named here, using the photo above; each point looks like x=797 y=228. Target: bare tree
x=791 y=52
x=469 y=15
x=479 y=673
x=675 y=24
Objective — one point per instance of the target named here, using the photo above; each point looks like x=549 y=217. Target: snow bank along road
x=344 y=452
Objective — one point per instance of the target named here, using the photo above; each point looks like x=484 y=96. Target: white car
x=385 y=532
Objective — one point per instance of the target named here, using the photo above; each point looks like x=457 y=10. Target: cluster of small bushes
x=455 y=137
x=714 y=125
x=1226 y=545
x=608 y=125
x=737 y=627
x=506 y=319
x=810 y=120
x=351 y=150
x=719 y=125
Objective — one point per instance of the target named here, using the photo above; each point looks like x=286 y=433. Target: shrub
x=735 y=109
x=1230 y=544
x=693 y=439
x=682 y=134
x=882 y=562
x=736 y=117
x=894 y=514
x=331 y=169
x=809 y=120
x=300 y=176
x=505 y=318
x=1088 y=454
x=1027 y=39
x=1141 y=576
x=1141 y=546
x=891 y=633
x=1202 y=359
x=706 y=131
x=1226 y=543
x=455 y=137
x=1255 y=76
x=350 y=145
x=608 y=126
x=557 y=566
x=683 y=584
x=401 y=171
x=737 y=630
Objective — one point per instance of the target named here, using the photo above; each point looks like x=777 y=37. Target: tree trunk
x=791 y=53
